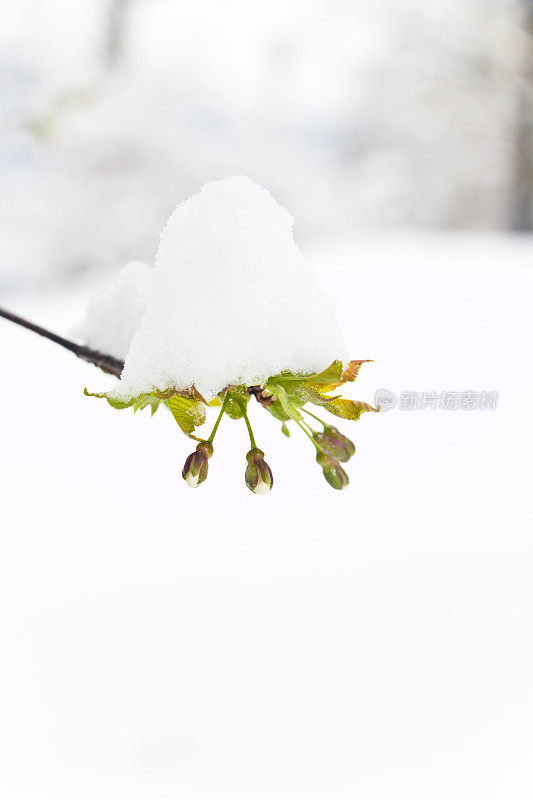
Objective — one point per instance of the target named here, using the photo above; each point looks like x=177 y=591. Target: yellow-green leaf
x=309 y=393
x=352 y=370
x=288 y=406
x=348 y=409
x=187 y=412
x=331 y=375
x=349 y=374
x=113 y=401
x=147 y=400
x=237 y=399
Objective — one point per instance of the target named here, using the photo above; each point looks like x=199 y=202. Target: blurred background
x=377 y=643
x=357 y=116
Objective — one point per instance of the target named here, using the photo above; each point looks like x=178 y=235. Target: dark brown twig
x=109 y=364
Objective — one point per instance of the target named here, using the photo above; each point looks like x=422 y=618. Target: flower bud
x=332 y=432
x=333 y=445
x=196 y=466
x=333 y=472
x=258 y=476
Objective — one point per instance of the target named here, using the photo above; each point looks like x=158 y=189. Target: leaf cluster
x=287 y=393
x=291 y=392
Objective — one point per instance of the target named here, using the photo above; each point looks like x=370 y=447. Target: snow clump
x=232 y=300
x=114 y=314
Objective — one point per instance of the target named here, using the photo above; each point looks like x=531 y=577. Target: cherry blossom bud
x=333 y=472
x=333 y=433
x=333 y=445
x=196 y=466
x=258 y=475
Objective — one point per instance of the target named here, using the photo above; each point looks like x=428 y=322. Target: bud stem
x=217 y=423
x=315 y=417
x=308 y=427
x=250 y=432
x=318 y=449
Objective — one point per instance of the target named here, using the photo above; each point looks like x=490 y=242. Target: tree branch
x=109 y=364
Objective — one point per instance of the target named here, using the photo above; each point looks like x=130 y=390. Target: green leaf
x=233 y=409
x=113 y=401
x=276 y=409
x=332 y=374
x=285 y=430
x=308 y=393
x=188 y=412
x=289 y=405
x=332 y=377
x=238 y=399
x=147 y=400
x=347 y=409
x=282 y=377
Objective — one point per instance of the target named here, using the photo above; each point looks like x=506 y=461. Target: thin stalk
x=315 y=417
x=307 y=426
x=319 y=449
x=250 y=432
x=217 y=423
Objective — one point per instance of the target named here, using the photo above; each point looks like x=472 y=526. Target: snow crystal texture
x=114 y=314
x=233 y=301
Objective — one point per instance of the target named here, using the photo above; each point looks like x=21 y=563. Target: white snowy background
x=159 y=643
